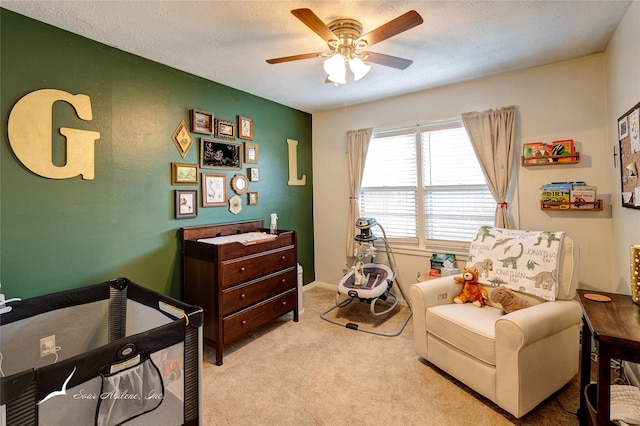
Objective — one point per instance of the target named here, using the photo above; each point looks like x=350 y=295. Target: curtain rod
x=409 y=126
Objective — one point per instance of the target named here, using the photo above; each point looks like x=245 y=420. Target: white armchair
x=516 y=360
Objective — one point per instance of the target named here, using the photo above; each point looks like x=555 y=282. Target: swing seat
x=379 y=277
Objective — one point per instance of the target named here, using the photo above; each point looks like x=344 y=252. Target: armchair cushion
x=467 y=327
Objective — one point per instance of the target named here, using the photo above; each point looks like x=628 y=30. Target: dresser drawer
x=243 y=295
x=241 y=322
x=247 y=268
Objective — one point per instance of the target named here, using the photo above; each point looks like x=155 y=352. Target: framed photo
x=250 y=153
x=201 y=121
x=235 y=204
x=254 y=174
x=245 y=128
x=184 y=174
x=253 y=198
x=220 y=154
x=239 y=183
x=182 y=138
x=224 y=129
x=186 y=203
x=214 y=189
x=623 y=128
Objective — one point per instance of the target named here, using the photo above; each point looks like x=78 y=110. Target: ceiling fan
x=346 y=41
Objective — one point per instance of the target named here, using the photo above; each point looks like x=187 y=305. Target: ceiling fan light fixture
x=358 y=68
x=338 y=78
x=336 y=69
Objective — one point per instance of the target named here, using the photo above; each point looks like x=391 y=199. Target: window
x=424 y=185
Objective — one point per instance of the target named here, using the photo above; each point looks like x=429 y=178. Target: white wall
x=622 y=65
x=559 y=101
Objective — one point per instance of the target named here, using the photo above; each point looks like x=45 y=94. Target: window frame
x=421 y=244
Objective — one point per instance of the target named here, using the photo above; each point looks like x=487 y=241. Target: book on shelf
x=583 y=196
x=563 y=147
x=537 y=152
x=556 y=193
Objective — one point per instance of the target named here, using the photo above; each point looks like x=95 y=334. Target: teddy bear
x=472 y=290
x=509 y=300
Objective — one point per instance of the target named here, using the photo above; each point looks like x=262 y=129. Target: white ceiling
x=229 y=41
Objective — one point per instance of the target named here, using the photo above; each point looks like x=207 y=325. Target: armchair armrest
x=424 y=294
x=439 y=291
x=524 y=341
x=527 y=326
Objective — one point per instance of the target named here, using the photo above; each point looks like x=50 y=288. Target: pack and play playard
x=100 y=355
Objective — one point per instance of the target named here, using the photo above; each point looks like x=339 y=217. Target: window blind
x=424 y=184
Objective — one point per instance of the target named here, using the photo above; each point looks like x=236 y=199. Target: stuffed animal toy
x=472 y=290
x=509 y=300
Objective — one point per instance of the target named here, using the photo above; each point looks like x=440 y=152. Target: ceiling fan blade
x=294 y=58
x=400 y=24
x=312 y=21
x=386 y=60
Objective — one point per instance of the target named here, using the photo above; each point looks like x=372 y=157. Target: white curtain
x=358 y=143
x=492 y=135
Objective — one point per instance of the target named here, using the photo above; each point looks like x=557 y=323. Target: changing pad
x=246 y=238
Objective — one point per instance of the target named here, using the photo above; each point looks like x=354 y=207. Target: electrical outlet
x=47 y=345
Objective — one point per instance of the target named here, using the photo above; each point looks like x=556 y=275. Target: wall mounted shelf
x=551 y=160
x=571 y=206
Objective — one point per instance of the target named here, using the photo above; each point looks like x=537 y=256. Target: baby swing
x=369 y=282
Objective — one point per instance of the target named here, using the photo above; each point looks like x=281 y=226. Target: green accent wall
x=58 y=234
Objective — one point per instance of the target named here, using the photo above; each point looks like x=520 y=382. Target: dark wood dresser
x=240 y=286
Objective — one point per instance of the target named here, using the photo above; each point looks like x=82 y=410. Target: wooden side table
x=615 y=327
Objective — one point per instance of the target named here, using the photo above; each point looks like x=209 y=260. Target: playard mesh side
x=122 y=353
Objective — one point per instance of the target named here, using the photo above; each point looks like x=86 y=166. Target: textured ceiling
x=229 y=41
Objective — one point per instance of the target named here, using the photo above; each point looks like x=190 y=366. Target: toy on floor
x=472 y=290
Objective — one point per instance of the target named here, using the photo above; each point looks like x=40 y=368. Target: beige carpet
x=317 y=373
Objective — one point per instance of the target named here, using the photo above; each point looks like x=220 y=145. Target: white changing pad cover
x=245 y=238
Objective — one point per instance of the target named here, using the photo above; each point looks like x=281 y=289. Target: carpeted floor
x=314 y=372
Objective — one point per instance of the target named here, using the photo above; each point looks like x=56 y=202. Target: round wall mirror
x=239 y=183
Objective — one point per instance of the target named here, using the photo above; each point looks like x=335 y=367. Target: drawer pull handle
x=243 y=269
x=284 y=303
x=284 y=280
x=283 y=257
x=244 y=322
x=242 y=296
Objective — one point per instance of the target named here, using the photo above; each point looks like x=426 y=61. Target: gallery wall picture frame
x=217 y=154
x=186 y=203
x=202 y=121
x=214 y=189
x=253 y=198
x=245 y=128
x=224 y=129
x=629 y=140
x=251 y=153
x=254 y=174
x=184 y=174
x=182 y=139
x=235 y=204
x=239 y=183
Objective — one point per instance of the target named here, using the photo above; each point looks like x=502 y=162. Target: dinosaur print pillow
x=524 y=261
